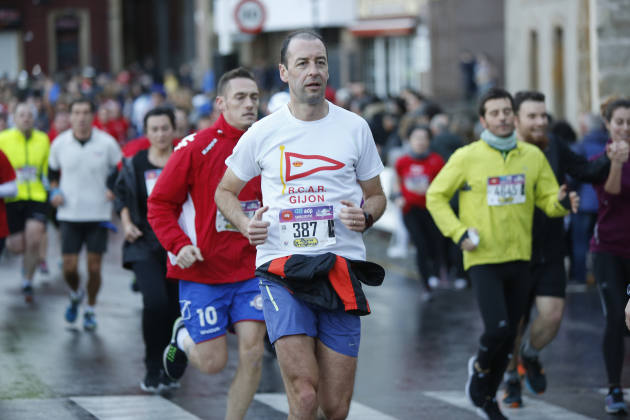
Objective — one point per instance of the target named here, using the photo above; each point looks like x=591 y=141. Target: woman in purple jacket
x=610 y=248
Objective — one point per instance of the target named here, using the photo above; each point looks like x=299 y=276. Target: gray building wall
x=455 y=26
x=613 y=47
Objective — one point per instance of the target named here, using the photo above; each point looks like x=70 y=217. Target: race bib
x=224 y=225
x=418 y=184
x=150 y=178
x=26 y=174
x=307 y=228
x=506 y=189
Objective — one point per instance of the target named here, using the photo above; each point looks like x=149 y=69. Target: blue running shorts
x=209 y=310
x=287 y=315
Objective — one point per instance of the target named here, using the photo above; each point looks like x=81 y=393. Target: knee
x=251 y=354
x=305 y=401
x=553 y=316
x=338 y=411
x=214 y=363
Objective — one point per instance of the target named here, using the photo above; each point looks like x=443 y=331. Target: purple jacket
x=612 y=231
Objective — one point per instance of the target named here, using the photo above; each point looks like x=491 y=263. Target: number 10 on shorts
x=207 y=317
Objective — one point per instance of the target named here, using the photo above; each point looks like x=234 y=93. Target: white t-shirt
x=84 y=170
x=307 y=168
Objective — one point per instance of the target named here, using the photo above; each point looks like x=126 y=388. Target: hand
x=400 y=201
x=575 y=201
x=617 y=152
x=187 y=256
x=57 y=200
x=352 y=216
x=468 y=244
x=131 y=232
x=628 y=314
x=109 y=195
x=257 y=229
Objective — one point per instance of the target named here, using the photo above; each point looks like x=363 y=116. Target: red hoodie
x=182 y=211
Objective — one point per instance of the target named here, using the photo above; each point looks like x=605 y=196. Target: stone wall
x=613 y=47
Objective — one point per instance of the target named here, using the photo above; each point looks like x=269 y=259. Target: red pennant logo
x=299 y=166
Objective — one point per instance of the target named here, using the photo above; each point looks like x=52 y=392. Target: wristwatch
x=369 y=220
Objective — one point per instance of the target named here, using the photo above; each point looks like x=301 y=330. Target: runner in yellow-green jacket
x=500 y=180
x=27 y=149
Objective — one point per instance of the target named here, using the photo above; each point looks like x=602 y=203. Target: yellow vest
x=29 y=158
x=497 y=197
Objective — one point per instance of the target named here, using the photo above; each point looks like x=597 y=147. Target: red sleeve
x=165 y=202
x=7 y=173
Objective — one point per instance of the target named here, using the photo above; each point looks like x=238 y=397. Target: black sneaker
x=151 y=382
x=512 y=397
x=491 y=411
x=174 y=359
x=477 y=384
x=535 y=378
x=27 y=291
x=166 y=383
x=615 y=403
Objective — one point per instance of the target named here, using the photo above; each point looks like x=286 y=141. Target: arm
x=583 y=170
x=441 y=190
x=359 y=219
x=54 y=175
x=547 y=193
x=226 y=198
x=8 y=189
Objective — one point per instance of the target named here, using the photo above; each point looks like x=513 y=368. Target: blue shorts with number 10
x=287 y=315
x=209 y=310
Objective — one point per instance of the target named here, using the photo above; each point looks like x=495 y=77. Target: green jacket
x=29 y=158
x=497 y=197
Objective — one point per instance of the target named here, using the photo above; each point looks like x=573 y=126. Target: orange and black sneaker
x=535 y=378
x=512 y=397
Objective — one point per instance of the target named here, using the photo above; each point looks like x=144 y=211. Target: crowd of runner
x=252 y=226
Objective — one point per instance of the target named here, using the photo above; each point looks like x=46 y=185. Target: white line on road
x=532 y=408
x=133 y=407
x=358 y=411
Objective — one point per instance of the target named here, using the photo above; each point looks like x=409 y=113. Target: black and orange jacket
x=327 y=280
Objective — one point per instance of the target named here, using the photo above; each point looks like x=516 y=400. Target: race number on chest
x=307 y=228
x=506 y=189
x=249 y=208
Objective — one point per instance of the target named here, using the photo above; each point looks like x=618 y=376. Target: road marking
x=358 y=411
x=133 y=407
x=532 y=407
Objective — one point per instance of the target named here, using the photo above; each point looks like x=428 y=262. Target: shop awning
x=384 y=27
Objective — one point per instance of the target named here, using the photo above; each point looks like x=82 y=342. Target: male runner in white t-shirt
x=321 y=189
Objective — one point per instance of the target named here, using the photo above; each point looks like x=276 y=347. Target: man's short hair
x=299 y=34
x=83 y=100
x=237 y=73
x=493 y=93
x=160 y=110
x=527 y=95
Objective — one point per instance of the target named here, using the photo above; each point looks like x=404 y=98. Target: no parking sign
x=249 y=16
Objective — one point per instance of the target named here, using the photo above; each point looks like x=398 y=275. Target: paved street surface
x=412 y=363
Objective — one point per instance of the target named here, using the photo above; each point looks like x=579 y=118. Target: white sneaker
x=460 y=283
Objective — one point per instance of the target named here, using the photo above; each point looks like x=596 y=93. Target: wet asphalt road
x=412 y=362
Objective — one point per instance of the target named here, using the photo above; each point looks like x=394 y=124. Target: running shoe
x=615 y=403
x=72 y=311
x=490 y=410
x=477 y=384
x=27 y=291
x=43 y=268
x=434 y=282
x=512 y=397
x=535 y=378
x=151 y=382
x=89 y=321
x=460 y=283
x=174 y=358
x=166 y=383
